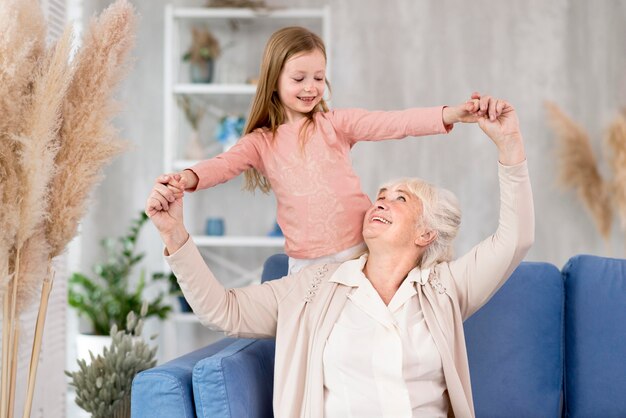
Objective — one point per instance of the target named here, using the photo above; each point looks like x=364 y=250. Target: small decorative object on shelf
x=214 y=227
x=202 y=54
x=230 y=130
x=252 y=4
x=103 y=386
x=174 y=289
x=276 y=231
x=193 y=113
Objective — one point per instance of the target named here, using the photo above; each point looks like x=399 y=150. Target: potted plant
x=107 y=299
x=103 y=385
x=202 y=53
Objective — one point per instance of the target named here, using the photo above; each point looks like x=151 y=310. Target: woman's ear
x=426 y=238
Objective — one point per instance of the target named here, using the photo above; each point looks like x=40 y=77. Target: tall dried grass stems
x=578 y=168
x=88 y=141
x=56 y=136
x=616 y=155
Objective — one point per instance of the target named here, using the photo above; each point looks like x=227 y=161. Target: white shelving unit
x=253 y=28
x=175 y=83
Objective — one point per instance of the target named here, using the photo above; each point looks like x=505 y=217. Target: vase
x=184 y=305
x=194 y=149
x=202 y=72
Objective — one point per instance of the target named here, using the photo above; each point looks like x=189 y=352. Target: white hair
x=440 y=213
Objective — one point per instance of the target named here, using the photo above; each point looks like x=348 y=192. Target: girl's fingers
x=164 y=191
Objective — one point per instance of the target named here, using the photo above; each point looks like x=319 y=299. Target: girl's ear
x=425 y=238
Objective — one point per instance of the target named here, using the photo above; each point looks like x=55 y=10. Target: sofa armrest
x=236 y=382
x=166 y=391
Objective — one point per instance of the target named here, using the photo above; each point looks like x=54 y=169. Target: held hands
x=166 y=214
x=472 y=110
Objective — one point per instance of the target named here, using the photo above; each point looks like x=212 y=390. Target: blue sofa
x=550 y=343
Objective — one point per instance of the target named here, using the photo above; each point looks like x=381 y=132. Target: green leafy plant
x=172 y=284
x=108 y=299
x=103 y=386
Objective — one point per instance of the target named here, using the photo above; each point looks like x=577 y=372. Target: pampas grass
x=88 y=140
x=578 y=169
x=616 y=144
x=56 y=136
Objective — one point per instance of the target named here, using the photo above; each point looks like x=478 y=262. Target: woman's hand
x=472 y=110
x=168 y=189
x=504 y=131
x=167 y=216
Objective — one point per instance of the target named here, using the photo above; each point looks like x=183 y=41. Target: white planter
x=95 y=343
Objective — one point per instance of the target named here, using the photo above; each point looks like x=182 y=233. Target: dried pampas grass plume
x=38 y=143
x=22 y=42
x=578 y=168
x=87 y=139
x=616 y=155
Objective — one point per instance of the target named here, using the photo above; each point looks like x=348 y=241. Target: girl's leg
x=297 y=264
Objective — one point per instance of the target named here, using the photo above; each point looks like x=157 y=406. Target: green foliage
x=108 y=299
x=103 y=386
x=172 y=282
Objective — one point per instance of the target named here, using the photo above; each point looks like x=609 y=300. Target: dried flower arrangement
x=204 y=46
x=193 y=111
x=252 y=4
x=55 y=137
x=103 y=386
x=578 y=168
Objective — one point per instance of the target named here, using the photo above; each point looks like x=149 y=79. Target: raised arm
x=245 y=312
x=480 y=273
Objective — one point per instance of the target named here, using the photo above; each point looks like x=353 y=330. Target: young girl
x=295 y=146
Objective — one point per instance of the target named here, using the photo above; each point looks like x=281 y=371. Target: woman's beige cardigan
x=300 y=310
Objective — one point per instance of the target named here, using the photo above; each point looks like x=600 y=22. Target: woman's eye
x=381 y=198
x=401 y=198
x=298 y=79
x=319 y=79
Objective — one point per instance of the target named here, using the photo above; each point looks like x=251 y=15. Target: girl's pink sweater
x=320 y=205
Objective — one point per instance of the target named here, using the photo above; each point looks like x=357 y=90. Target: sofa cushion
x=275 y=267
x=595 y=337
x=165 y=391
x=514 y=346
x=236 y=382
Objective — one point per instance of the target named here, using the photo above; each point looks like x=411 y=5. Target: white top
x=381 y=361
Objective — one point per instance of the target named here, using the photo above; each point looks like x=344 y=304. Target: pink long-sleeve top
x=320 y=205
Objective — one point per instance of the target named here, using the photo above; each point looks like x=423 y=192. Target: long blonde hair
x=267 y=111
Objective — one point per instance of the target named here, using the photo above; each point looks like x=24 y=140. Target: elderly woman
x=381 y=335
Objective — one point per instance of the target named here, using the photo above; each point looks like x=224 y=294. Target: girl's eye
x=298 y=79
x=319 y=79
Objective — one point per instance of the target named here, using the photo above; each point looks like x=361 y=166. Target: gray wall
x=403 y=53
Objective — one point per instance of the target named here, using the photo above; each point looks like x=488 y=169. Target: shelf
x=242 y=13
x=238 y=241
x=189 y=317
x=210 y=88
